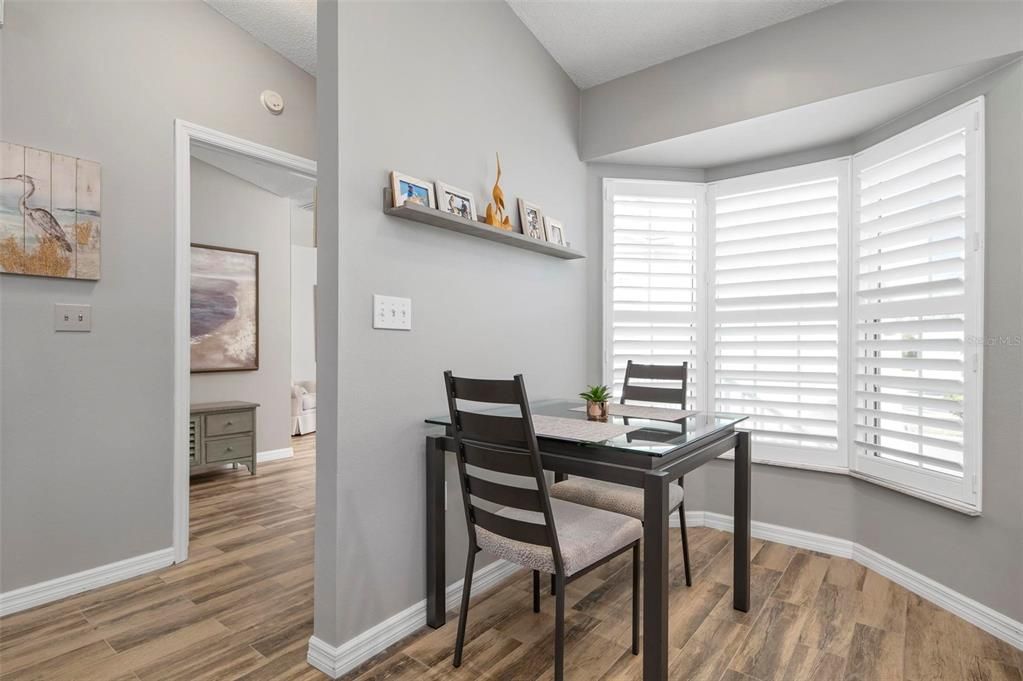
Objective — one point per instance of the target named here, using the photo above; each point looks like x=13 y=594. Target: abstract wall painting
x=50 y=214
x=224 y=309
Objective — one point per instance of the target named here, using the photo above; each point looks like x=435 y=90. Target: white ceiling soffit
x=269 y=176
x=287 y=27
x=805 y=127
x=599 y=41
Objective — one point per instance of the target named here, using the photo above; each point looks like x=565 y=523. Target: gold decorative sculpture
x=495 y=211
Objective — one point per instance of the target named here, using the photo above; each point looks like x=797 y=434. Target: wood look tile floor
x=241 y=608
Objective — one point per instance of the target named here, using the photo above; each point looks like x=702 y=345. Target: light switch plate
x=72 y=317
x=390 y=312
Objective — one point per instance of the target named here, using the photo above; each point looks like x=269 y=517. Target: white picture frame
x=451 y=199
x=531 y=220
x=409 y=189
x=554 y=230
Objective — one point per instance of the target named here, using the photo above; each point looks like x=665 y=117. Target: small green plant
x=596 y=393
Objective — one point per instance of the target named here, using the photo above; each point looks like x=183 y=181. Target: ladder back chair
x=509 y=512
x=629 y=500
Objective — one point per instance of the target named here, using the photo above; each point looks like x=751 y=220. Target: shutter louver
x=775 y=328
x=910 y=306
x=654 y=285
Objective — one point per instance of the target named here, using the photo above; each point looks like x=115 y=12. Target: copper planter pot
x=596 y=411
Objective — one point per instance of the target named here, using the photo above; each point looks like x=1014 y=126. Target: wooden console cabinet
x=222 y=433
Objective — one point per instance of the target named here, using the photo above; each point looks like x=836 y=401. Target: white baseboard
x=990 y=620
x=334 y=661
x=275 y=454
x=993 y=622
x=62 y=587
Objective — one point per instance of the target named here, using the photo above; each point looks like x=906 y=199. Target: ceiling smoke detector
x=273 y=102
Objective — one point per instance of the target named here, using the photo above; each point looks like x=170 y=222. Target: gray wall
x=980 y=557
x=87 y=425
x=228 y=211
x=451 y=84
x=843 y=48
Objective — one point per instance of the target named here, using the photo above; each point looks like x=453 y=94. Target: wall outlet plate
x=68 y=317
x=390 y=312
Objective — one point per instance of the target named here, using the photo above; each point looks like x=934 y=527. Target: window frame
x=670 y=188
x=840 y=169
x=966 y=494
x=970 y=114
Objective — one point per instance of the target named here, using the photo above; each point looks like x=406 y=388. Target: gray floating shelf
x=438 y=218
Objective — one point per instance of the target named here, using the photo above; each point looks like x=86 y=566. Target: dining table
x=648 y=453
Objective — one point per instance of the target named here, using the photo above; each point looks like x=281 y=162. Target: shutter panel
x=913 y=235
x=654 y=288
x=776 y=296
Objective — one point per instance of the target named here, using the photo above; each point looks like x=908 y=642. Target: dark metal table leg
x=435 y=576
x=743 y=472
x=655 y=577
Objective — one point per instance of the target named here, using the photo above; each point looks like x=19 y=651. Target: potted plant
x=596 y=397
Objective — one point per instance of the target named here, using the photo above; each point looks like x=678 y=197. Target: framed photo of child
x=555 y=230
x=408 y=189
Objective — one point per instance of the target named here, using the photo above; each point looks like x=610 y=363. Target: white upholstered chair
x=303 y=407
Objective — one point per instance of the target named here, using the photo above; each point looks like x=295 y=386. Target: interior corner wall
x=596 y=173
x=980 y=557
x=227 y=211
x=86 y=472
x=434 y=90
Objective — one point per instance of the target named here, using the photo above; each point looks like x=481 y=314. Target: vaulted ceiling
x=595 y=42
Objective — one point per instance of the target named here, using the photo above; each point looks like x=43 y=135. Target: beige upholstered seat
x=610 y=497
x=585 y=535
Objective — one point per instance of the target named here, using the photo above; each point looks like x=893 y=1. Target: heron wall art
x=50 y=214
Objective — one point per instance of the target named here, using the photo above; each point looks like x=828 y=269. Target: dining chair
x=629 y=500
x=509 y=512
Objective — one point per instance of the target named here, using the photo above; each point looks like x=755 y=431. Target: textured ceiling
x=286 y=26
x=599 y=40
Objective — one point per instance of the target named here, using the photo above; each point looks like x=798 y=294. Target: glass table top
x=652 y=438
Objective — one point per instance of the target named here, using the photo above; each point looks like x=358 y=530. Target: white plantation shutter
x=918 y=299
x=651 y=306
x=777 y=320
x=838 y=305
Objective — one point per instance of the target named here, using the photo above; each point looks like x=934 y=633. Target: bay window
x=833 y=303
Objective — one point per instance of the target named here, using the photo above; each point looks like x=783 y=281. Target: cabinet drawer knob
x=230 y=449
x=229 y=423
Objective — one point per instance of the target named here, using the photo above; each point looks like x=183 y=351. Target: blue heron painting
x=49 y=214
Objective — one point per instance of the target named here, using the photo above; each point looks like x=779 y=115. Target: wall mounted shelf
x=437 y=218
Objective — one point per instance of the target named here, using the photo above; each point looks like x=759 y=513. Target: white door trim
x=185 y=134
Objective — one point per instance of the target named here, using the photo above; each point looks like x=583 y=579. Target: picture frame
x=531 y=217
x=554 y=230
x=451 y=199
x=408 y=189
x=51 y=214
x=224 y=309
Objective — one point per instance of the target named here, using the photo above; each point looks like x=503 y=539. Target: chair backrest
x=503 y=445
x=648 y=391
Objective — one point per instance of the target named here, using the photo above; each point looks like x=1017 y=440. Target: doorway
x=279 y=172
